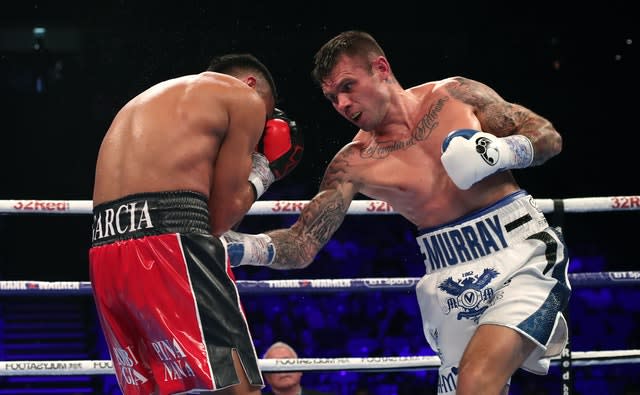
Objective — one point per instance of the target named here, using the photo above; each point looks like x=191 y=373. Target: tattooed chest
x=382 y=147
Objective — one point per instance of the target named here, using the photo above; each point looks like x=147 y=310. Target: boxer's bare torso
x=170 y=137
x=400 y=164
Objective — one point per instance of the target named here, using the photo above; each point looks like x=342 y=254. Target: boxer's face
x=355 y=89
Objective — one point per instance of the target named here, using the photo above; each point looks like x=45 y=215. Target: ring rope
x=359 y=364
x=587 y=279
x=283 y=207
x=33 y=206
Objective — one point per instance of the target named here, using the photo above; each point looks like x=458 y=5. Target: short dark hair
x=353 y=43
x=233 y=63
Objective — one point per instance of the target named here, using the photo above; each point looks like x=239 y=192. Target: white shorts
x=502 y=265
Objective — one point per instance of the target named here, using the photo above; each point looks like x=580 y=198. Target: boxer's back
x=166 y=138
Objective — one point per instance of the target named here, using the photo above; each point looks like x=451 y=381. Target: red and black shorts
x=166 y=297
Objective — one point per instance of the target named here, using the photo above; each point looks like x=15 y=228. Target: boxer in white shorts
x=502 y=265
x=436 y=152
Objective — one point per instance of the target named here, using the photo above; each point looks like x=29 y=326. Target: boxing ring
x=566 y=362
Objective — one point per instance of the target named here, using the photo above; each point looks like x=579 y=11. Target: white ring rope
x=585 y=279
x=284 y=207
x=359 y=364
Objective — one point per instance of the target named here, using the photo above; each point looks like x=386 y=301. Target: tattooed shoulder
x=471 y=92
x=496 y=115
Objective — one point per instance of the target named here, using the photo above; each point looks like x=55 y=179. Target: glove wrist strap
x=521 y=149
x=261 y=176
x=258 y=186
x=245 y=249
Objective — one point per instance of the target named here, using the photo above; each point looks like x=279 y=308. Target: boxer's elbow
x=556 y=143
x=551 y=147
x=546 y=145
x=226 y=214
x=552 y=140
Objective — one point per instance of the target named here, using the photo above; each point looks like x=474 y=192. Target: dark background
x=577 y=66
x=574 y=66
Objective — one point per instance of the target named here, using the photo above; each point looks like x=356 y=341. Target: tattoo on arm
x=335 y=172
x=296 y=247
x=546 y=141
x=502 y=118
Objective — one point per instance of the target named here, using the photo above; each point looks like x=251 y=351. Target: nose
x=342 y=102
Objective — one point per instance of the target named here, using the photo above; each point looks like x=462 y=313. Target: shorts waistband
x=487 y=231
x=152 y=213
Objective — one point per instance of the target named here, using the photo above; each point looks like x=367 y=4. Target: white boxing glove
x=469 y=155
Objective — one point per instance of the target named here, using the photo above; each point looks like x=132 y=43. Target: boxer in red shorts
x=177 y=168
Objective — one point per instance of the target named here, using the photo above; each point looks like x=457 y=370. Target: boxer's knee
x=474 y=379
x=470 y=377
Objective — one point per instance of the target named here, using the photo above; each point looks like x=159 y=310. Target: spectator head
x=285 y=382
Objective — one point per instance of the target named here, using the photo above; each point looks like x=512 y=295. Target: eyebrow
x=338 y=86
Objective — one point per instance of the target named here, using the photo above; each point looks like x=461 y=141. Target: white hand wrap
x=469 y=155
x=245 y=249
x=261 y=176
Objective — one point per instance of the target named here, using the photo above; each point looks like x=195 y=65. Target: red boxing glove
x=282 y=144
